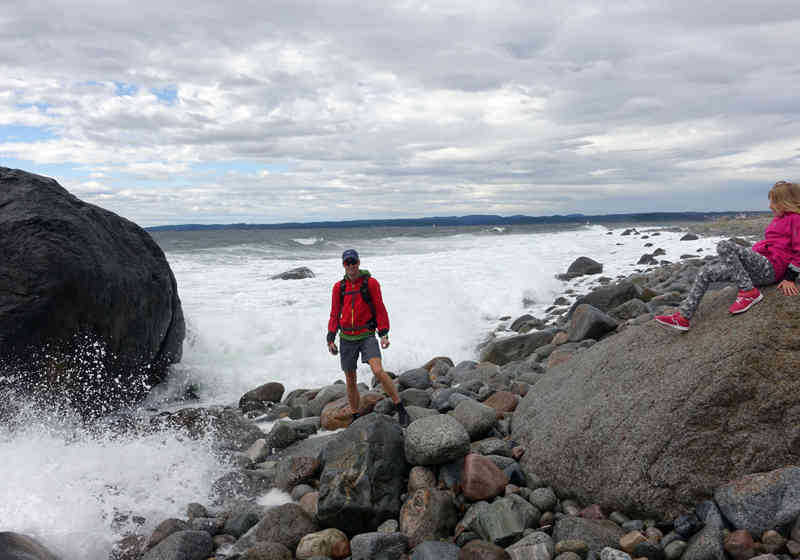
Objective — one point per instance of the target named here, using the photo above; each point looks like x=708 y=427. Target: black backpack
x=365 y=295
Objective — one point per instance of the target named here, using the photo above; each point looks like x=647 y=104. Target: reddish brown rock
x=628 y=541
x=482 y=550
x=502 y=401
x=428 y=515
x=593 y=512
x=292 y=471
x=739 y=544
x=560 y=338
x=481 y=479
x=419 y=478
x=309 y=502
x=337 y=414
x=324 y=543
x=653 y=535
x=773 y=541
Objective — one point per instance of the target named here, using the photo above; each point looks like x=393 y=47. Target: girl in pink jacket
x=775 y=258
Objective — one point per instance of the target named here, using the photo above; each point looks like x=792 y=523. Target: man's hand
x=384 y=342
x=332 y=348
x=788 y=288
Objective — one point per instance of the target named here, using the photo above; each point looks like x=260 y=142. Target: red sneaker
x=745 y=300
x=676 y=321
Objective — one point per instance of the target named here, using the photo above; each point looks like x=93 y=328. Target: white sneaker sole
x=672 y=326
x=752 y=303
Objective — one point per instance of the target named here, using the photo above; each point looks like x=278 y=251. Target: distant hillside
x=471 y=220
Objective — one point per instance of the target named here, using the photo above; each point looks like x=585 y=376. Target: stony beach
x=460 y=481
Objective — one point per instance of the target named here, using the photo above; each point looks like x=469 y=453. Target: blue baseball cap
x=350 y=254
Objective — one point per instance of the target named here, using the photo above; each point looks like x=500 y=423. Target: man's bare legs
x=352 y=391
x=383 y=377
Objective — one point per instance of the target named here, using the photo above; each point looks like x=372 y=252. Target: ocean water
x=445 y=290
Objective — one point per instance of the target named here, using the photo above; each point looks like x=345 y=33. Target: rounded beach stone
x=416 y=378
x=629 y=541
x=572 y=545
x=328 y=542
x=482 y=550
x=367 y=546
x=191 y=545
x=773 y=541
x=544 y=498
x=435 y=550
x=481 y=479
x=674 y=550
x=269 y=392
x=609 y=553
x=739 y=544
x=419 y=478
x=434 y=440
x=502 y=401
x=165 y=529
x=429 y=514
x=309 y=502
x=648 y=550
x=476 y=418
x=567 y=556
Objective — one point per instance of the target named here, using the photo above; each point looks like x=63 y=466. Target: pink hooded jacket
x=781 y=244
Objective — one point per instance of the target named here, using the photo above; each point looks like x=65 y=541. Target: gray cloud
x=301 y=110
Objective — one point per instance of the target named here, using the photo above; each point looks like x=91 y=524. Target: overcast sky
x=271 y=111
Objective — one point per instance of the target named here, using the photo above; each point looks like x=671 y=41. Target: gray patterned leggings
x=737 y=264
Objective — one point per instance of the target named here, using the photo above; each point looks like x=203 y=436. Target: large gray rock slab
x=81 y=285
x=606 y=298
x=651 y=420
x=761 y=501
x=362 y=479
x=589 y=322
x=519 y=347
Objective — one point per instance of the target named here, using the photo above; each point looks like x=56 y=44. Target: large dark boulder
x=652 y=420
x=362 y=480
x=89 y=308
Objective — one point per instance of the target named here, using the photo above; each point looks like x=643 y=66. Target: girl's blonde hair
x=786 y=196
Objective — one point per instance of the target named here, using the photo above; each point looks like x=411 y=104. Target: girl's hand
x=788 y=288
x=384 y=342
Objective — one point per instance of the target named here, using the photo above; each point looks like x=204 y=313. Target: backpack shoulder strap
x=342 y=288
x=368 y=300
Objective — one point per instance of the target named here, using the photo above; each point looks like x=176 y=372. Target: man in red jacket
x=357 y=309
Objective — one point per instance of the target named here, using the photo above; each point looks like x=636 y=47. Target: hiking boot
x=402 y=415
x=675 y=321
x=745 y=300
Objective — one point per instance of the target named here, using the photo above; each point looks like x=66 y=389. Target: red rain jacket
x=354 y=313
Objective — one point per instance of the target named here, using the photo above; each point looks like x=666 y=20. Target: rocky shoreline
x=456 y=482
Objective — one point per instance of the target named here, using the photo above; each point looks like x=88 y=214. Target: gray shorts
x=368 y=348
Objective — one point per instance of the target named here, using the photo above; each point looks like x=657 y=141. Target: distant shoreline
x=474 y=220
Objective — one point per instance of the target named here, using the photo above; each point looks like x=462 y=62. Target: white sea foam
x=443 y=294
x=67 y=487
